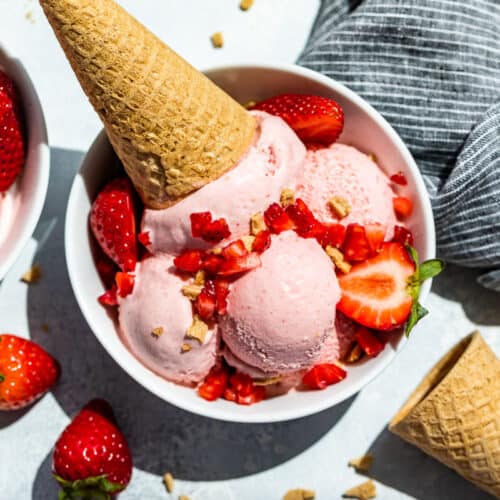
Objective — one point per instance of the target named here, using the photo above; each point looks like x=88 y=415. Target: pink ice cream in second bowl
x=157 y=304
x=280 y=314
x=346 y=172
x=273 y=162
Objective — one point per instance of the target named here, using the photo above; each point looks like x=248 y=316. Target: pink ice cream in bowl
x=24 y=159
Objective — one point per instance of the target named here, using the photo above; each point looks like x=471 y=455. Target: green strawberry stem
x=92 y=488
x=423 y=271
x=2 y=377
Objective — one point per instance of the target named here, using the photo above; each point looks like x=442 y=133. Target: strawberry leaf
x=92 y=488
x=418 y=311
x=430 y=268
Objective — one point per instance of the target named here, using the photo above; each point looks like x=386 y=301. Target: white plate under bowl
x=31 y=187
x=364 y=129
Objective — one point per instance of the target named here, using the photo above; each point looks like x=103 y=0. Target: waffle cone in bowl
x=173 y=129
x=454 y=414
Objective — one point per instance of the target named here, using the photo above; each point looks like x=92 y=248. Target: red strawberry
x=144 y=238
x=106 y=268
x=399 y=178
x=91 y=457
x=239 y=265
x=112 y=220
x=356 y=246
x=206 y=302
x=12 y=142
x=221 y=293
x=402 y=235
x=198 y=222
x=375 y=293
x=26 y=372
x=314 y=119
x=375 y=234
x=214 y=385
x=369 y=342
x=403 y=207
x=322 y=375
x=189 y=261
x=235 y=249
x=262 y=241
x=109 y=297
x=213 y=231
x=305 y=223
x=331 y=234
x=211 y=263
x=124 y=284
x=276 y=219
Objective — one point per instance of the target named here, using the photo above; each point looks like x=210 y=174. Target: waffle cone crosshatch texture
x=173 y=129
x=454 y=414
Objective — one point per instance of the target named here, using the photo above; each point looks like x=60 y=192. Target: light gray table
x=212 y=460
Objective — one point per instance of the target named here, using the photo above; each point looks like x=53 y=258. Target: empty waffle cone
x=173 y=129
x=454 y=414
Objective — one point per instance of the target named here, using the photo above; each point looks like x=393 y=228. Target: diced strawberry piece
x=322 y=375
x=399 y=178
x=235 y=249
x=144 y=238
x=276 y=219
x=198 y=222
x=303 y=219
x=218 y=376
x=374 y=293
x=109 y=297
x=369 y=342
x=314 y=119
x=211 y=263
x=257 y=394
x=239 y=265
x=189 y=261
x=230 y=394
x=241 y=383
x=403 y=207
x=216 y=231
x=331 y=234
x=125 y=283
x=221 y=293
x=206 y=302
x=106 y=268
x=214 y=385
x=262 y=241
x=356 y=246
x=402 y=235
x=375 y=234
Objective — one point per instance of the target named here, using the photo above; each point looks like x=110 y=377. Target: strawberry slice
x=369 y=342
x=314 y=119
x=239 y=265
x=262 y=241
x=399 y=178
x=403 y=207
x=112 y=220
x=189 y=261
x=206 y=302
x=322 y=375
x=402 y=235
x=276 y=219
x=221 y=293
x=356 y=246
x=235 y=249
x=375 y=234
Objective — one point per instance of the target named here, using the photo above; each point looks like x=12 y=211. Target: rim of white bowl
x=37 y=129
x=142 y=375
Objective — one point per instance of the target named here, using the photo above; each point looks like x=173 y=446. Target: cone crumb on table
x=300 y=494
x=173 y=129
x=363 y=491
x=246 y=4
x=217 y=40
x=454 y=414
x=362 y=464
x=168 y=481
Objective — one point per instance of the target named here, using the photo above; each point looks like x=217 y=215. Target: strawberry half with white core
x=91 y=457
x=112 y=219
x=315 y=119
x=382 y=292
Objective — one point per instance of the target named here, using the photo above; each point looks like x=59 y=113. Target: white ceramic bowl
x=31 y=186
x=364 y=128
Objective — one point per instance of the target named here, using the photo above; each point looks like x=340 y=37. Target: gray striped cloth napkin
x=432 y=68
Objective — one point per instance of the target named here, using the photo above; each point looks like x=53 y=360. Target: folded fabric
x=432 y=68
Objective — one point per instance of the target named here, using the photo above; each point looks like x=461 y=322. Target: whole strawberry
x=112 y=219
x=26 y=372
x=315 y=119
x=91 y=457
x=12 y=143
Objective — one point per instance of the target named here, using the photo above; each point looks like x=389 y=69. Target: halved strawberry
x=235 y=249
x=369 y=342
x=125 y=283
x=206 y=302
x=356 y=246
x=239 y=265
x=322 y=375
x=402 y=235
x=403 y=207
x=375 y=234
x=375 y=293
x=277 y=220
x=189 y=261
x=314 y=119
x=262 y=241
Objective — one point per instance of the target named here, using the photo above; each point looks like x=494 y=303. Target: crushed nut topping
x=198 y=330
x=246 y=4
x=373 y=157
x=191 y=291
x=355 y=354
x=32 y=275
x=363 y=491
x=299 y=494
x=257 y=223
x=157 y=332
x=339 y=206
x=337 y=258
x=248 y=241
x=185 y=348
x=217 y=40
x=363 y=463
x=287 y=197
x=267 y=381
x=199 y=278
x=216 y=250
x=168 y=481
x=249 y=104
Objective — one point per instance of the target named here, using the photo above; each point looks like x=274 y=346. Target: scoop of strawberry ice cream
x=280 y=314
x=273 y=162
x=158 y=305
x=343 y=171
